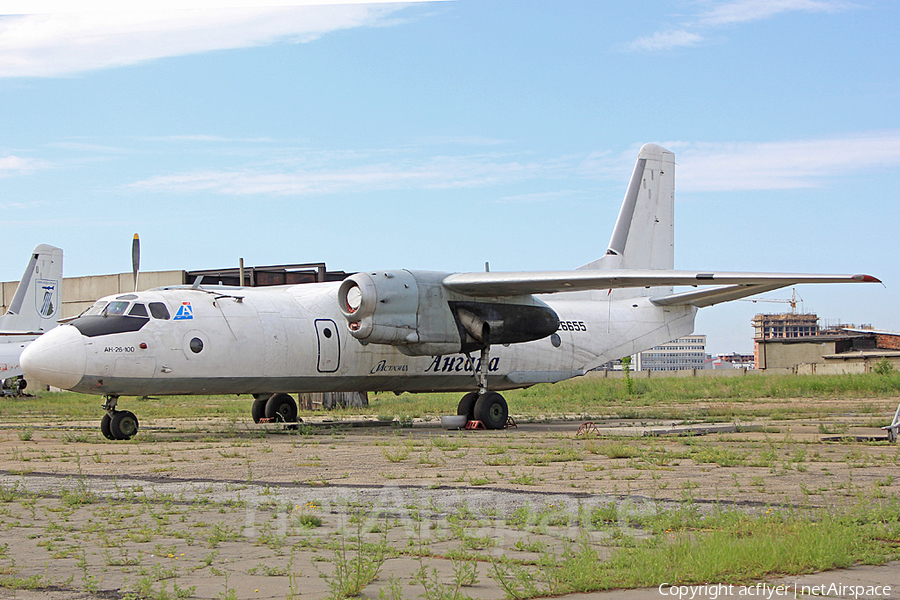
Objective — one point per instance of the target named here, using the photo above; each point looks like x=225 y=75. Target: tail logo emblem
x=47 y=297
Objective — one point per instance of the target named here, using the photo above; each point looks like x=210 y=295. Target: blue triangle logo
x=184 y=312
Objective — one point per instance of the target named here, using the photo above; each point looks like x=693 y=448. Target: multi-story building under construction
x=785 y=325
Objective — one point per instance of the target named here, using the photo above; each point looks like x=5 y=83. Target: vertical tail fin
x=35 y=306
x=644 y=235
x=644 y=232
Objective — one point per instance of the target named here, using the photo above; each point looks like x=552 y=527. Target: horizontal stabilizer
x=716 y=295
x=548 y=282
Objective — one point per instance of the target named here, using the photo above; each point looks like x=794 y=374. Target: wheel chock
x=267 y=420
x=510 y=423
x=588 y=428
x=475 y=425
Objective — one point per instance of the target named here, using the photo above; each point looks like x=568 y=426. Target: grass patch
x=728 y=547
x=659 y=397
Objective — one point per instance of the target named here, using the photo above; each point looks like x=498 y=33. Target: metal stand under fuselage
x=894 y=428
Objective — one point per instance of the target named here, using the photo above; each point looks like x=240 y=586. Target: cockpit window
x=159 y=310
x=138 y=310
x=116 y=308
x=107 y=318
x=95 y=309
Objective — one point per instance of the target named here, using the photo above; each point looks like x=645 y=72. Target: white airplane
x=32 y=311
x=401 y=330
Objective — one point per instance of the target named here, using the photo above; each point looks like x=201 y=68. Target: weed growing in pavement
x=396 y=455
x=304 y=516
x=356 y=561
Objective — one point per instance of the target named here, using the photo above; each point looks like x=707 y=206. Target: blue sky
x=440 y=135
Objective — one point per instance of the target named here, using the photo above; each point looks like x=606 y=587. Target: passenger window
x=159 y=310
x=138 y=310
x=116 y=308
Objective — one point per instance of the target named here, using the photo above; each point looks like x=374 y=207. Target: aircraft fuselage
x=295 y=339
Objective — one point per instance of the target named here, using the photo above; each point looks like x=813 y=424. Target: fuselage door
x=329 y=346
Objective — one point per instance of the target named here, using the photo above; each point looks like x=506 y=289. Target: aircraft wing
x=500 y=284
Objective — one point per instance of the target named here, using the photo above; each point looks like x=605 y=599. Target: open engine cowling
x=413 y=311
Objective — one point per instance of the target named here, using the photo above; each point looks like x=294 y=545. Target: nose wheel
x=488 y=407
x=117 y=424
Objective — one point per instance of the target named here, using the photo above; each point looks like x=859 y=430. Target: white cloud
x=743 y=11
x=666 y=40
x=716 y=15
x=213 y=139
x=88 y=147
x=16 y=165
x=708 y=167
x=57 y=44
x=702 y=167
x=440 y=172
x=541 y=197
x=33 y=7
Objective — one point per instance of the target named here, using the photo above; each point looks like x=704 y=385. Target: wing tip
x=866 y=279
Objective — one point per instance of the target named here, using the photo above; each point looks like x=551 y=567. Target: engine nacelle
x=381 y=307
x=413 y=311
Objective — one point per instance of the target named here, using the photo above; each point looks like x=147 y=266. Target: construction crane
x=792 y=301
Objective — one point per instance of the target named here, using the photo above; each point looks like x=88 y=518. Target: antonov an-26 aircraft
x=401 y=330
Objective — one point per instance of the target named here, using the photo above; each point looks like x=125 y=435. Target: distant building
x=785 y=325
x=684 y=353
x=847 y=351
x=795 y=341
x=731 y=361
x=782 y=326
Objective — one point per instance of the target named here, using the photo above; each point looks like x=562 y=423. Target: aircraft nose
x=57 y=358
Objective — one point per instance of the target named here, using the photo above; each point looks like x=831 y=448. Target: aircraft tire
x=258 y=410
x=123 y=425
x=105 y=427
x=491 y=409
x=282 y=408
x=467 y=405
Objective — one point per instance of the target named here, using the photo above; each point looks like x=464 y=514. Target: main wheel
x=467 y=405
x=123 y=425
x=258 y=410
x=105 y=427
x=491 y=409
x=281 y=407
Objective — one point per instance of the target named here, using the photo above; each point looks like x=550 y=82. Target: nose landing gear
x=117 y=424
x=488 y=407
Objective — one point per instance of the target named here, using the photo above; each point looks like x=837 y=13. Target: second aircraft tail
x=35 y=306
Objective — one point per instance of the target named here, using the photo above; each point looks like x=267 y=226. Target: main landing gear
x=278 y=408
x=117 y=424
x=488 y=407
